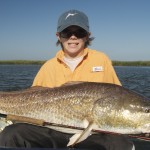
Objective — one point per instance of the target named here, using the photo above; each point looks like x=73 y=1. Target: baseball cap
x=73 y=17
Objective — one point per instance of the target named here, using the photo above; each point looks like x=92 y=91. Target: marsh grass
x=22 y=62
x=40 y=62
x=131 y=63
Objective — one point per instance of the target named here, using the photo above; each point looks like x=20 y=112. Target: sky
x=121 y=28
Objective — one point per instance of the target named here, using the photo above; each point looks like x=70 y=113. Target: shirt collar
x=60 y=54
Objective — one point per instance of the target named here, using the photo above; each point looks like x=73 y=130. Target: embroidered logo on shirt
x=69 y=14
x=97 y=69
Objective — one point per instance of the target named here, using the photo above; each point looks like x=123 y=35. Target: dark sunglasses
x=80 y=33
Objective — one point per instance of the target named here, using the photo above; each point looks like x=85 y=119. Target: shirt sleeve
x=45 y=76
x=110 y=75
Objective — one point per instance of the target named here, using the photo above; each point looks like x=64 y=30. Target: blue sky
x=121 y=27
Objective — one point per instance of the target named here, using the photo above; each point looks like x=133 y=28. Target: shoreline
x=41 y=62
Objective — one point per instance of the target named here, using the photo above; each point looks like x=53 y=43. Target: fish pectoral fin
x=78 y=137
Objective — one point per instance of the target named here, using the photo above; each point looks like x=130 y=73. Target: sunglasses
x=79 y=33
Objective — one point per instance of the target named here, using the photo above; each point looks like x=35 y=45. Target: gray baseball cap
x=73 y=17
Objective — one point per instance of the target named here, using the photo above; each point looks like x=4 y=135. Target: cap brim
x=72 y=24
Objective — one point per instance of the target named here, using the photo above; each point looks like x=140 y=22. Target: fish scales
x=111 y=107
x=40 y=103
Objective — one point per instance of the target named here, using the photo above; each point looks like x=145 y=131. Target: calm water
x=16 y=77
x=135 y=78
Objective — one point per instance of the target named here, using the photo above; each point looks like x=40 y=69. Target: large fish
x=89 y=105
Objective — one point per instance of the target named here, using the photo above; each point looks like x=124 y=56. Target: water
x=135 y=78
x=17 y=77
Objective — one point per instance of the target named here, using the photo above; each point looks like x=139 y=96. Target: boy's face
x=73 y=41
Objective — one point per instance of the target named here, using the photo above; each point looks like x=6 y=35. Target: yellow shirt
x=95 y=67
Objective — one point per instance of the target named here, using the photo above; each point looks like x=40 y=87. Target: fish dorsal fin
x=72 y=83
x=78 y=137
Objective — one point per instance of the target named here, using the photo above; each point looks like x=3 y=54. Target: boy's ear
x=57 y=34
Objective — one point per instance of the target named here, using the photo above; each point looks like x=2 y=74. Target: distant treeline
x=21 y=62
x=40 y=62
x=131 y=63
